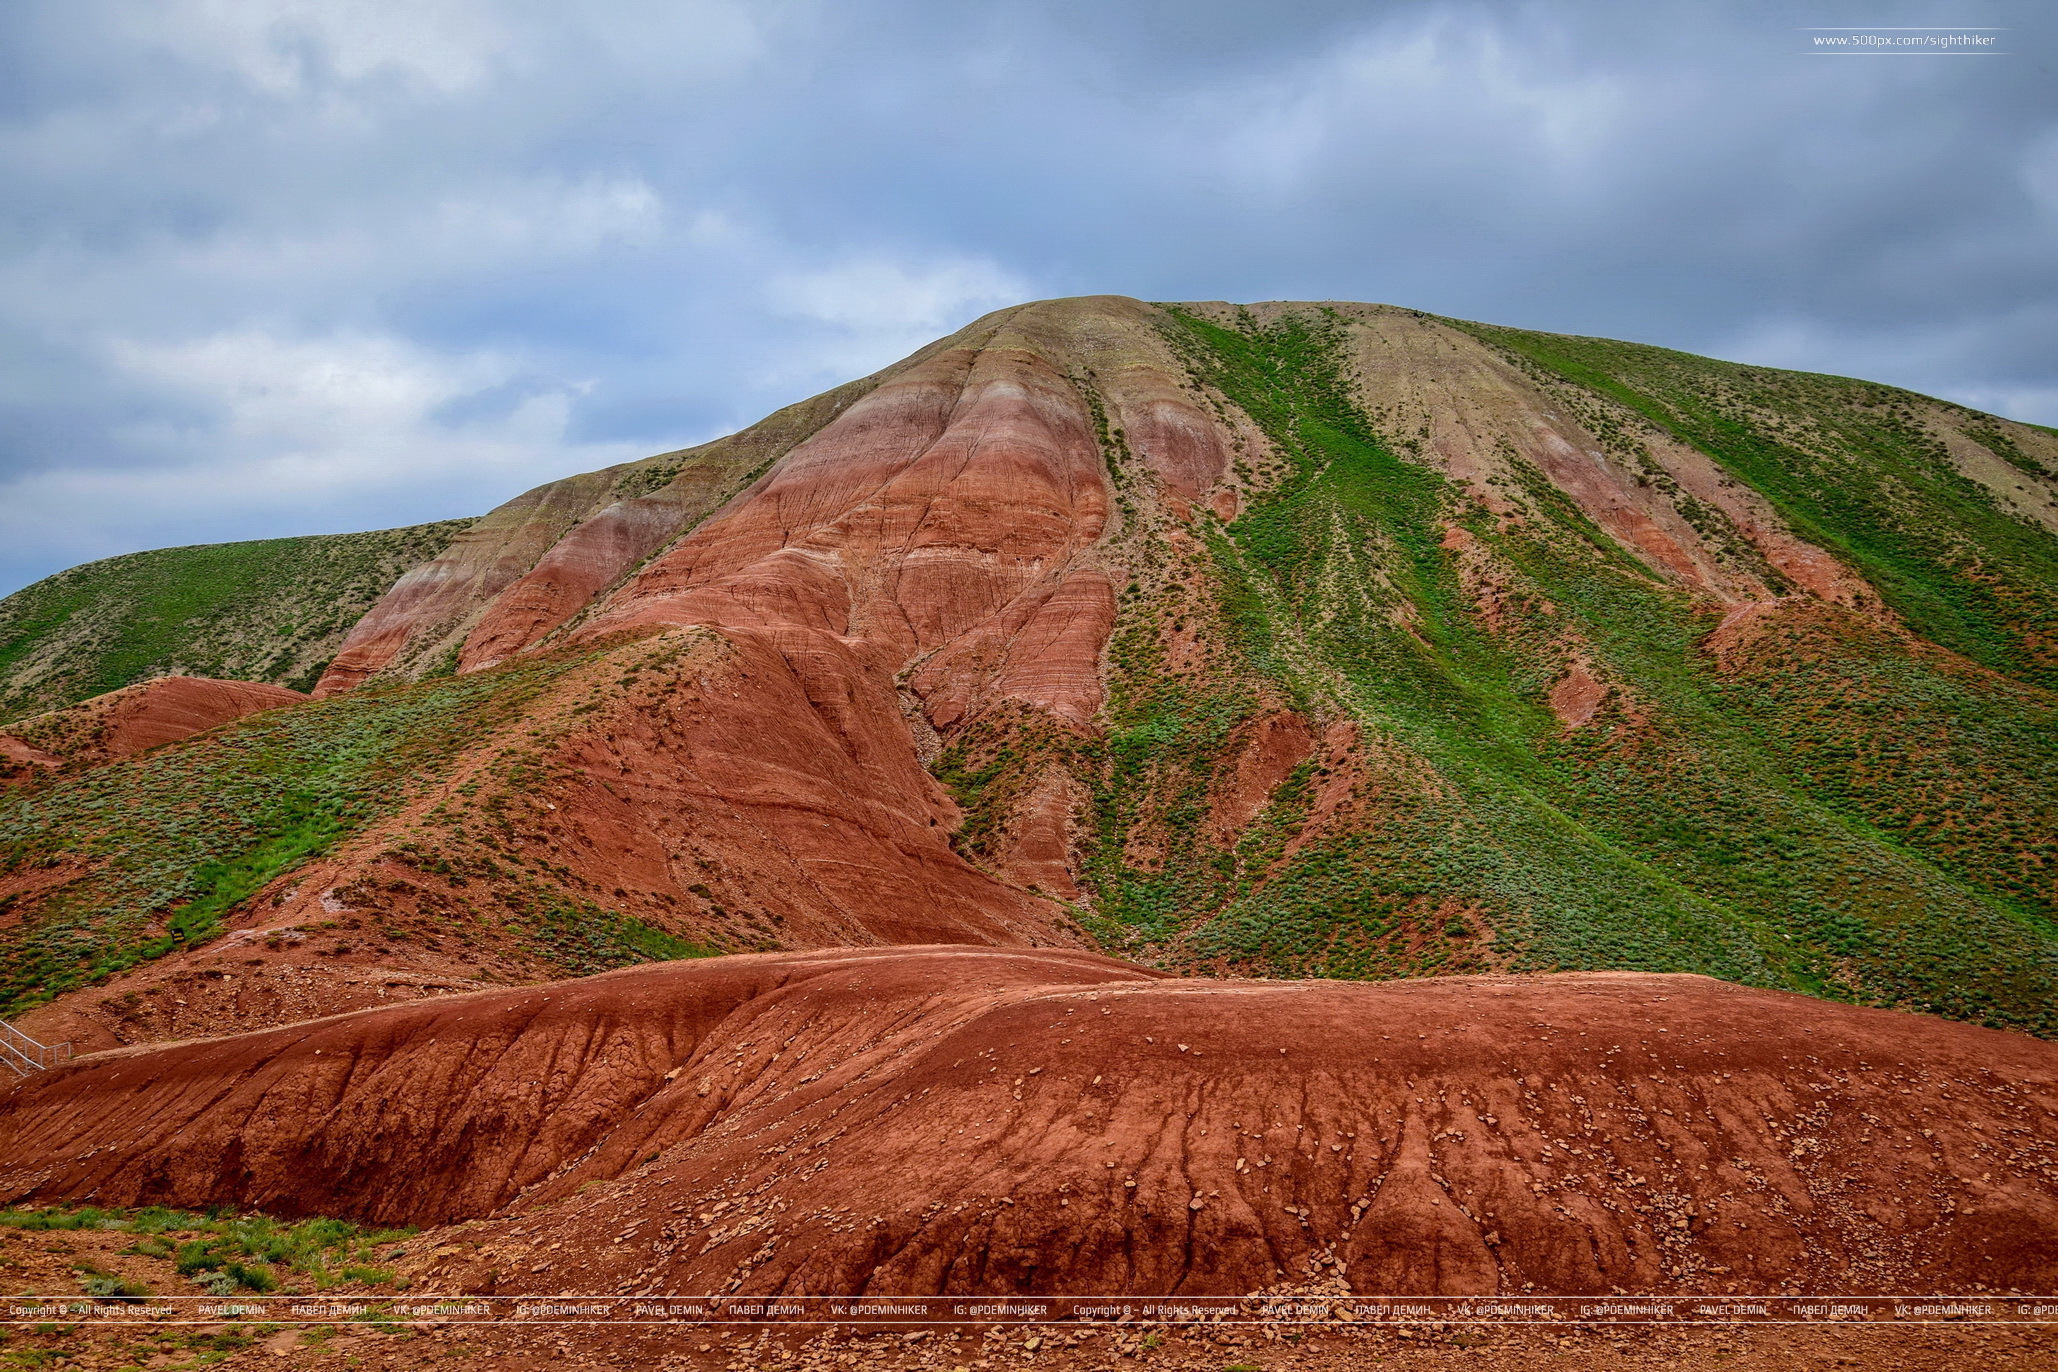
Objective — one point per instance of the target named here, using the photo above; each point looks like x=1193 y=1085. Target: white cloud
x=288 y=47
x=878 y=310
x=1455 y=81
x=484 y=227
x=309 y=433
x=260 y=388
x=551 y=217
x=356 y=412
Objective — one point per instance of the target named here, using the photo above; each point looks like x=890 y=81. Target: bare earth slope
x=132 y=720
x=966 y=1120
x=538 y=560
x=664 y=795
x=1312 y=639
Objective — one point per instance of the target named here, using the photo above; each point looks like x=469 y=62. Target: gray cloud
x=275 y=266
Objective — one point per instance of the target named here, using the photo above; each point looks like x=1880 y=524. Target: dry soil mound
x=137 y=718
x=985 y=1121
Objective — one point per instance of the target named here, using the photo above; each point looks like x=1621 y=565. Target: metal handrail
x=25 y=1055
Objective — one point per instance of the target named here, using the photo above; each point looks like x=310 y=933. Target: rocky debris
x=510 y=1347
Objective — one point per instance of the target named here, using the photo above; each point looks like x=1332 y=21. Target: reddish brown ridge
x=138 y=718
x=972 y=1120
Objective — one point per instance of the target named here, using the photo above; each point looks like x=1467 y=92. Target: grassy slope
x=158 y=849
x=1852 y=470
x=1859 y=820
x=221 y=1252
x=272 y=610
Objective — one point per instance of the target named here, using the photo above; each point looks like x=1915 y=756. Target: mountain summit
x=1299 y=639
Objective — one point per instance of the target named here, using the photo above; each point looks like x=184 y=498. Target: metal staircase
x=24 y=1055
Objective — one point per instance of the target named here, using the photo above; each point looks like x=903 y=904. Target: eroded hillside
x=983 y=1121
x=1307 y=639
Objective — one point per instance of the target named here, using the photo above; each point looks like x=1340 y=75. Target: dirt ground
x=1455 y=1348
x=1039 y=1120
x=51 y=1263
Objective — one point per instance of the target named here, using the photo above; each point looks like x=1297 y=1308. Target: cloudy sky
x=293 y=266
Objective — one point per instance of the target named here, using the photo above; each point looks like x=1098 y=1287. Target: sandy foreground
x=48 y=1263
x=1916 y=1349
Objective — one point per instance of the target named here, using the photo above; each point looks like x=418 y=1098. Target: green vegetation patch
x=583 y=938
x=1851 y=467
x=226 y=1252
x=168 y=843
x=273 y=610
x=1778 y=827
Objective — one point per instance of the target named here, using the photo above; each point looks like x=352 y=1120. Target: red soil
x=1036 y=852
x=157 y=712
x=935 y=536
x=453 y=588
x=752 y=787
x=953 y=493
x=985 y=1121
x=1266 y=750
x=544 y=556
x=929 y=543
x=1577 y=695
x=23 y=757
x=138 y=718
x=912 y=554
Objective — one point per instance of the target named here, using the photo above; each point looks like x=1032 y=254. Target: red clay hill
x=131 y=720
x=1376 y=685
x=1312 y=639
x=968 y=1120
